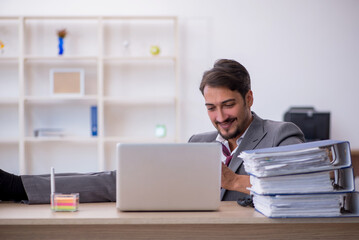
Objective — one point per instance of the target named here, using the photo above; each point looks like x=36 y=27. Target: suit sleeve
x=92 y=187
x=204 y=137
x=288 y=133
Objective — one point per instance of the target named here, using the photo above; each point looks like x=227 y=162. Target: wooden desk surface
x=106 y=213
x=103 y=221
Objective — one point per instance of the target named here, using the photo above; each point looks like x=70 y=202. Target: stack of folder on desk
x=304 y=180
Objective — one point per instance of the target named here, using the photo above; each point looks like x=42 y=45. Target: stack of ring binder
x=312 y=179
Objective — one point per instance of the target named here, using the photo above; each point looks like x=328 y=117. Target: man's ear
x=249 y=98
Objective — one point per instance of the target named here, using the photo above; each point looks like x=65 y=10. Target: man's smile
x=225 y=125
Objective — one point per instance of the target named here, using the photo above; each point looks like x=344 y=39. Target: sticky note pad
x=65 y=202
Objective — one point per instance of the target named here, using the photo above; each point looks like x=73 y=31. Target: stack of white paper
x=303 y=180
x=300 y=183
x=317 y=205
x=276 y=163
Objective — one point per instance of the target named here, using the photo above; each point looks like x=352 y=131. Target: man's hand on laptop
x=233 y=181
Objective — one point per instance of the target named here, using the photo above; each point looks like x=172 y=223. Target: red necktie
x=226 y=153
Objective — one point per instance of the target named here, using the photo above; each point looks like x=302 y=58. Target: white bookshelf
x=133 y=90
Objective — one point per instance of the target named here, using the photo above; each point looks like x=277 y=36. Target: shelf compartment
x=154 y=79
x=9 y=77
x=135 y=36
x=9 y=59
x=73 y=119
x=9 y=127
x=147 y=58
x=9 y=140
x=57 y=58
x=62 y=139
x=9 y=157
x=92 y=100
x=42 y=40
x=8 y=101
x=158 y=101
x=9 y=36
x=37 y=75
x=138 y=122
x=110 y=156
x=63 y=156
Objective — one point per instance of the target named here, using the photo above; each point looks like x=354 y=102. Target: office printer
x=315 y=125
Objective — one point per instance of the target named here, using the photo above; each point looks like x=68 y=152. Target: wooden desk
x=103 y=221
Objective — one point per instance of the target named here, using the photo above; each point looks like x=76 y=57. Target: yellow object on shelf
x=155 y=50
x=2 y=45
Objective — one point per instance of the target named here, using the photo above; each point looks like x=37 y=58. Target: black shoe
x=11 y=187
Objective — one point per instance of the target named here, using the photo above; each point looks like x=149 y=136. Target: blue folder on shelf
x=94 y=121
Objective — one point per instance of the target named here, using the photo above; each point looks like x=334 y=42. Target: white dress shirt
x=220 y=139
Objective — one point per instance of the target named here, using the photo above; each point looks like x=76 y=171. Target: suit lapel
x=252 y=138
x=254 y=135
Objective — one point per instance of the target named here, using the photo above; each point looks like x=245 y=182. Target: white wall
x=299 y=52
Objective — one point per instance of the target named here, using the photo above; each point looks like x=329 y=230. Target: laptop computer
x=168 y=176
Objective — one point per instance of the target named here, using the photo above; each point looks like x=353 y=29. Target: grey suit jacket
x=261 y=134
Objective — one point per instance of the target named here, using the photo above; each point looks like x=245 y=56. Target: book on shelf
x=49 y=132
x=312 y=179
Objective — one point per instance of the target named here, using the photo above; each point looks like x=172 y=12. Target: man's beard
x=235 y=134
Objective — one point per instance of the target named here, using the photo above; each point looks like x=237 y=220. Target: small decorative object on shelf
x=61 y=35
x=126 y=47
x=2 y=46
x=126 y=44
x=155 y=50
x=67 y=82
x=160 y=130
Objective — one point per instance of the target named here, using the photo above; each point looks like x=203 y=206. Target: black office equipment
x=315 y=125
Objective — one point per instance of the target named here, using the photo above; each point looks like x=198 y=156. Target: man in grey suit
x=228 y=98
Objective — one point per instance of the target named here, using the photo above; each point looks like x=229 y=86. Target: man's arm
x=233 y=181
x=279 y=135
x=92 y=187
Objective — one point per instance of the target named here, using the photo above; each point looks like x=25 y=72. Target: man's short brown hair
x=229 y=74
